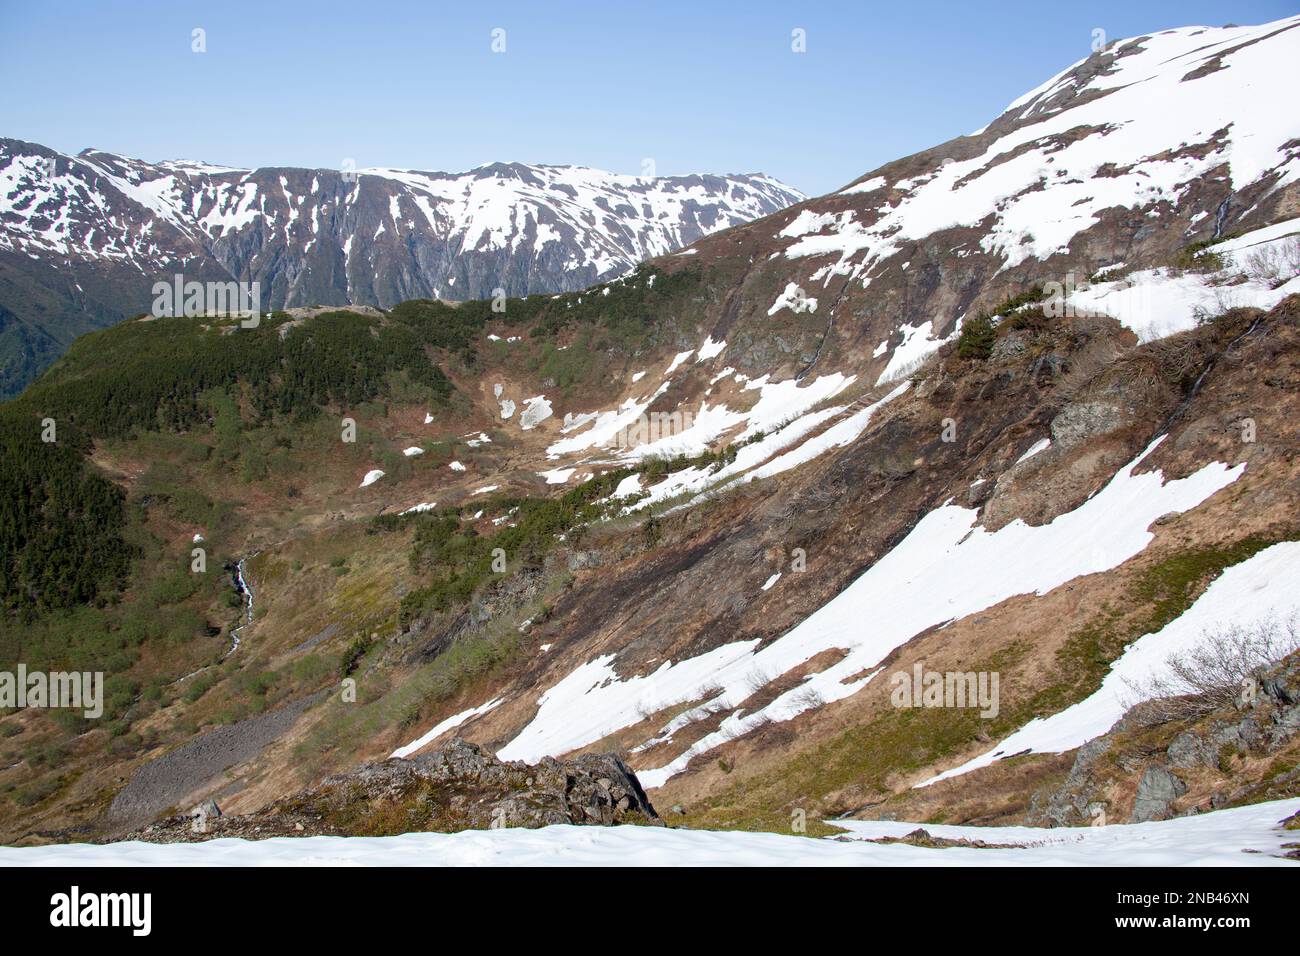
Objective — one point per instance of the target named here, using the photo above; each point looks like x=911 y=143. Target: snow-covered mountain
x=828 y=477
x=87 y=235
x=1116 y=164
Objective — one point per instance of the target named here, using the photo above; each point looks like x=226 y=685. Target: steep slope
x=85 y=237
x=1128 y=157
x=702 y=514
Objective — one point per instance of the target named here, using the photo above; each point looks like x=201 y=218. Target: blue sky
x=695 y=86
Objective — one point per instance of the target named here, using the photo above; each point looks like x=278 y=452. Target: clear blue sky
x=697 y=86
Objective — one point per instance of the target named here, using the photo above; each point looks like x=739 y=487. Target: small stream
x=246 y=592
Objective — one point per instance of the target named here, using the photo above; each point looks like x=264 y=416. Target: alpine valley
x=695 y=522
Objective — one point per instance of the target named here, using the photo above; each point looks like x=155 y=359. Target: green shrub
x=977 y=337
x=197 y=686
x=352 y=656
x=1200 y=257
x=35 y=792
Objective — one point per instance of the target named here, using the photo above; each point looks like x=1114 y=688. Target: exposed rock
x=202 y=815
x=1190 y=750
x=458 y=787
x=1141 y=752
x=1009 y=346
x=1069 y=806
x=922 y=837
x=207 y=809
x=582 y=560
x=1084 y=420
x=1155 y=795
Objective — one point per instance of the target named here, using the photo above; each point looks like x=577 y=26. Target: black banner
x=217 y=905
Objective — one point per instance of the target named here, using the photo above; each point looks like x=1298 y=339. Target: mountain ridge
x=83 y=238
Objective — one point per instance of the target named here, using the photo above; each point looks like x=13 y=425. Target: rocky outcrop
x=1145 y=768
x=1156 y=793
x=1084 y=420
x=458 y=787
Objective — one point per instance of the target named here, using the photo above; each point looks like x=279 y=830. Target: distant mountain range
x=83 y=238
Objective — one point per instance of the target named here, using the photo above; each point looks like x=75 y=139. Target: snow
x=1157 y=302
x=412 y=451
x=918 y=342
x=678 y=360
x=605 y=426
x=866 y=186
x=523 y=205
x=442 y=727
x=1267 y=234
x=836 y=436
x=456 y=466
x=637 y=377
x=422 y=506
x=842 y=433
x=710 y=349
x=557 y=476
x=483 y=491
x=756 y=453
x=807 y=222
x=1039 y=446
x=793 y=298
x=475 y=211
x=371 y=477
x=629 y=486
x=946 y=568
x=1040 y=185
x=767 y=585
x=536 y=410
x=1243 y=836
x=777 y=403
x=1262 y=588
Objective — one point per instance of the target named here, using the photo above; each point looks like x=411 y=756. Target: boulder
x=1083 y=420
x=1156 y=793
